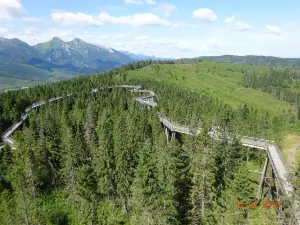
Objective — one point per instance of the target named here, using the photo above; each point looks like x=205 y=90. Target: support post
x=247 y=155
x=263 y=175
x=167 y=134
x=173 y=136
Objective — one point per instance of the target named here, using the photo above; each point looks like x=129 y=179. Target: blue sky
x=161 y=28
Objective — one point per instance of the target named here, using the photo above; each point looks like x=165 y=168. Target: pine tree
x=104 y=158
x=124 y=161
x=146 y=190
x=25 y=177
x=89 y=128
x=167 y=174
x=68 y=155
x=202 y=172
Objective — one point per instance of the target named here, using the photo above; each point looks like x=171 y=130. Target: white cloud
x=30 y=19
x=136 y=20
x=141 y=38
x=180 y=47
x=212 y=42
x=33 y=35
x=183 y=25
x=273 y=30
x=31 y=30
x=74 y=19
x=55 y=32
x=3 y=30
x=166 y=8
x=11 y=9
x=205 y=14
x=140 y=2
x=237 y=25
x=120 y=36
x=135 y=2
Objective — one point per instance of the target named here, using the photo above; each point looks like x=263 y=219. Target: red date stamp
x=267 y=204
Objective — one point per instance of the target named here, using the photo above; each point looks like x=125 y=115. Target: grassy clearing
x=223 y=81
x=56 y=75
x=7 y=82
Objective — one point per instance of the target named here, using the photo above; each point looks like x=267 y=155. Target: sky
x=164 y=28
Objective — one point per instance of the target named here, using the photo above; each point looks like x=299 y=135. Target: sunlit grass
x=223 y=81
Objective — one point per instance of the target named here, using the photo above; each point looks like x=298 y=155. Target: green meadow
x=223 y=81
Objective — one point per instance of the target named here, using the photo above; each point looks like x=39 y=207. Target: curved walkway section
x=6 y=136
x=146 y=100
x=174 y=127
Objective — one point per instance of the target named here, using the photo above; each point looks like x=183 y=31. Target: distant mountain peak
x=57 y=39
x=78 y=40
x=16 y=39
x=4 y=40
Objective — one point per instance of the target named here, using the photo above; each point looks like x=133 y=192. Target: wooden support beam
x=173 y=136
x=263 y=175
x=167 y=134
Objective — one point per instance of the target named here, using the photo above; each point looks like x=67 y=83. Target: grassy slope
x=56 y=75
x=6 y=82
x=220 y=80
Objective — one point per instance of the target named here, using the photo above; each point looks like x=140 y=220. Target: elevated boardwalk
x=174 y=127
x=55 y=99
x=37 y=104
x=281 y=170
x=147 y=101
x=277 y=161
x=151 y=93
x=12 y=129
x=279 y=166
x=6 y=136
x=124 y=86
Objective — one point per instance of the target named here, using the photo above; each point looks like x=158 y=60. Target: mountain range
x=143 y=57
x=22 y=64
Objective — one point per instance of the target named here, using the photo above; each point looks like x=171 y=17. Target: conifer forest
x=100 y=158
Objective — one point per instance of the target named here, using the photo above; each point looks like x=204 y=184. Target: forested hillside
x=255 y=60
x=98 y=158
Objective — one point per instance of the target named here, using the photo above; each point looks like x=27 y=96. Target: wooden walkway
x=279 y=166
x=146 y=100
x=174 y=127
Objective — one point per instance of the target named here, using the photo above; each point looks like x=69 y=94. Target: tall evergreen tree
x=203 y=177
